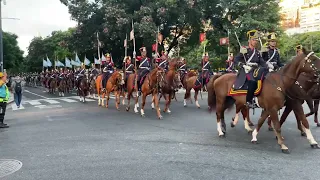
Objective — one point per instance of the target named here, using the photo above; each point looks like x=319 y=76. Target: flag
x=75 y=63
x=202 y=37
x=96 y=61
x=44 y=63
x=68 y=63
x=132 y=32
x=224 y=41
x=86 y=61
x=77 y=59
x=59 y=63
x=125 y=43
x=103 y=58
x=99 y=43
x=49 y=64
x=154 y=47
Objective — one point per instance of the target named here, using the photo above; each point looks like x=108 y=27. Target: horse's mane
x=190 y=73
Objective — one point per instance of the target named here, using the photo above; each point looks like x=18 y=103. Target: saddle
x=240 y=86
x=202 y=77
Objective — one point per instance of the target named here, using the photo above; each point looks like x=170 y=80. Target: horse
x=52 y=85
x=271 y=96
x=62 y=87
x=178 y=84
x=150 y=85
x=113 y=85
x=92 y=89
x=83 y=88
x=168 y=86
x=306 y=88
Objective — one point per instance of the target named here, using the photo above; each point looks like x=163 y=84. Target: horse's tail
x=211 y=92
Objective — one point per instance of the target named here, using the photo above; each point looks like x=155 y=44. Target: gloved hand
x=243 y=50
x=270 y=66
x=264 y=49
x=246 y=68
x=241 y=64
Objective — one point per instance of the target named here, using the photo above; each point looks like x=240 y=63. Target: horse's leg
x=220 y=115
x=128 y=100
x=298 y=111
x=186 y=96
x=245 y=114
x=136 y=105
x=117 y=100
x=196 y=98
x=156 y=101
x=152 y=104
x=236 y=117
x=166 y=96
x=144 y=96
x=168 y=104
x=123 y=98
x=277 y=129
x=316 y=107
x=263 y=117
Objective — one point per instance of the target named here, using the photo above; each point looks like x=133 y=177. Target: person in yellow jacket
x=4 y=98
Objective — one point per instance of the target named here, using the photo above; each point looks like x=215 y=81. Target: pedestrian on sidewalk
x=4 y=98
x=17 y=89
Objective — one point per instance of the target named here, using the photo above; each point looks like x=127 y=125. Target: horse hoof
x=251 y=124
x=232 y=125
x=270 y=129
x=118 y=109
x=254 y=142
x=303 y=134
x=250 y=132
x=285 y=151
x=160 y=117
x=142 y=115
x=198 y=107
x=315 y=146
x=222 y=136
x=127 y=109
x=318 y=124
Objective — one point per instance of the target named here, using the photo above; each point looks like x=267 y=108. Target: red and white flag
x=125 y=43
x=224 y=41
x=202 y=37
x=132 y=33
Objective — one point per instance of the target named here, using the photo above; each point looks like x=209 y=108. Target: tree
x=12 y=54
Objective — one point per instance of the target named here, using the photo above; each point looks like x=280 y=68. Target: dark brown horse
x=306 y=89
x=271 y=97
x=53 y=85
x=150 y=86
x=168 y=86
x=83 y=88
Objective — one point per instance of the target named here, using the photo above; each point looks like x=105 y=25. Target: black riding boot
x=252 y=86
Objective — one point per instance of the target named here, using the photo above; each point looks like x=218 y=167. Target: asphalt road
x=61 y=138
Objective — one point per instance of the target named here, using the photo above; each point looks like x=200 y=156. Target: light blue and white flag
x=96 y=61
x=49 y=64
x=44 y=63
x=68 y=63
x=86 y=61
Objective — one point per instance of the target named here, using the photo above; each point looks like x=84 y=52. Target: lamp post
x=1 y=43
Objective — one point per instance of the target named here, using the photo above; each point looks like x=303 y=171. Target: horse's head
x=177 y=80
x=117 y=77
x=173 y=63
x=308 y=62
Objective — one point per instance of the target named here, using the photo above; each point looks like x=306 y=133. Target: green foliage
x=12 y=54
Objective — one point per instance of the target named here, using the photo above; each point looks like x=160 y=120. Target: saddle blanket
x=244 y=89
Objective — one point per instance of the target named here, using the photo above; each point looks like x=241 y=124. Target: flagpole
x=125 y=56
x=229 y=42
x=134 y=58
x=156 y=46
x=99 y=50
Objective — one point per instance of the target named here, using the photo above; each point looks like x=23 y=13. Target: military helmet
x=299 y=47
x=206 y=54
x=253 y=34
x=143 y=49
x=271 y=36
x=107 y=55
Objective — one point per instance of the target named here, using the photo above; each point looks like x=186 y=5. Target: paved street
x=60 y=138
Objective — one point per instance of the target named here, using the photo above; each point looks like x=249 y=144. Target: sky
x=37 y=17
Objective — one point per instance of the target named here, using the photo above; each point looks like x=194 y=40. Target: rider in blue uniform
x=250 y=59
x=205 y=72
x=107 y=70
x=80 y=74
x=271 y=54
x=163 y=61
x=128 y=67
x=143 y=67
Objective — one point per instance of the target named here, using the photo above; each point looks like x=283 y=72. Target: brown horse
x=168 y=86
x=113 y=85
x=53 y=86
x=306 y=89
x=83 y=88
x=178 y=85
x=92 y=88
x=271 y=97
x=150 y=86
x=188 y=80
x=62 y=87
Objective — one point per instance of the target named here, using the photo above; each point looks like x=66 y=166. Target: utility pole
x=1 y=42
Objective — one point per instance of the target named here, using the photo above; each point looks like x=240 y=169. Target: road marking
x=51 y=101
x=48 y=107
x=35 y=94
x=14 y=107
x=87 y=99
x=34 y=102
x=68 y=100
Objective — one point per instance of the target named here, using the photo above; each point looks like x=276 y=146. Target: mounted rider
x=128 y=67
x=271 y=54
x=107 y=70
x=251 y=61
x=163 y=61
x=230 y=63
x=183 y=68
x=143 y=68
x=80 y=74
x=206 y=71
x=94 y=72
x=299 y=49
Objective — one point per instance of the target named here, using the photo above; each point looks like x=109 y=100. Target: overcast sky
x=37 y=17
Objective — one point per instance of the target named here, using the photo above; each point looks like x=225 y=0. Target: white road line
x=14 y=107
x=34 y=102
x=68 y=100
x=35 y=94
x=51 y=101
x=77 y=97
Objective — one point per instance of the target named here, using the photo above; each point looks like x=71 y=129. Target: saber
x=240 y=46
